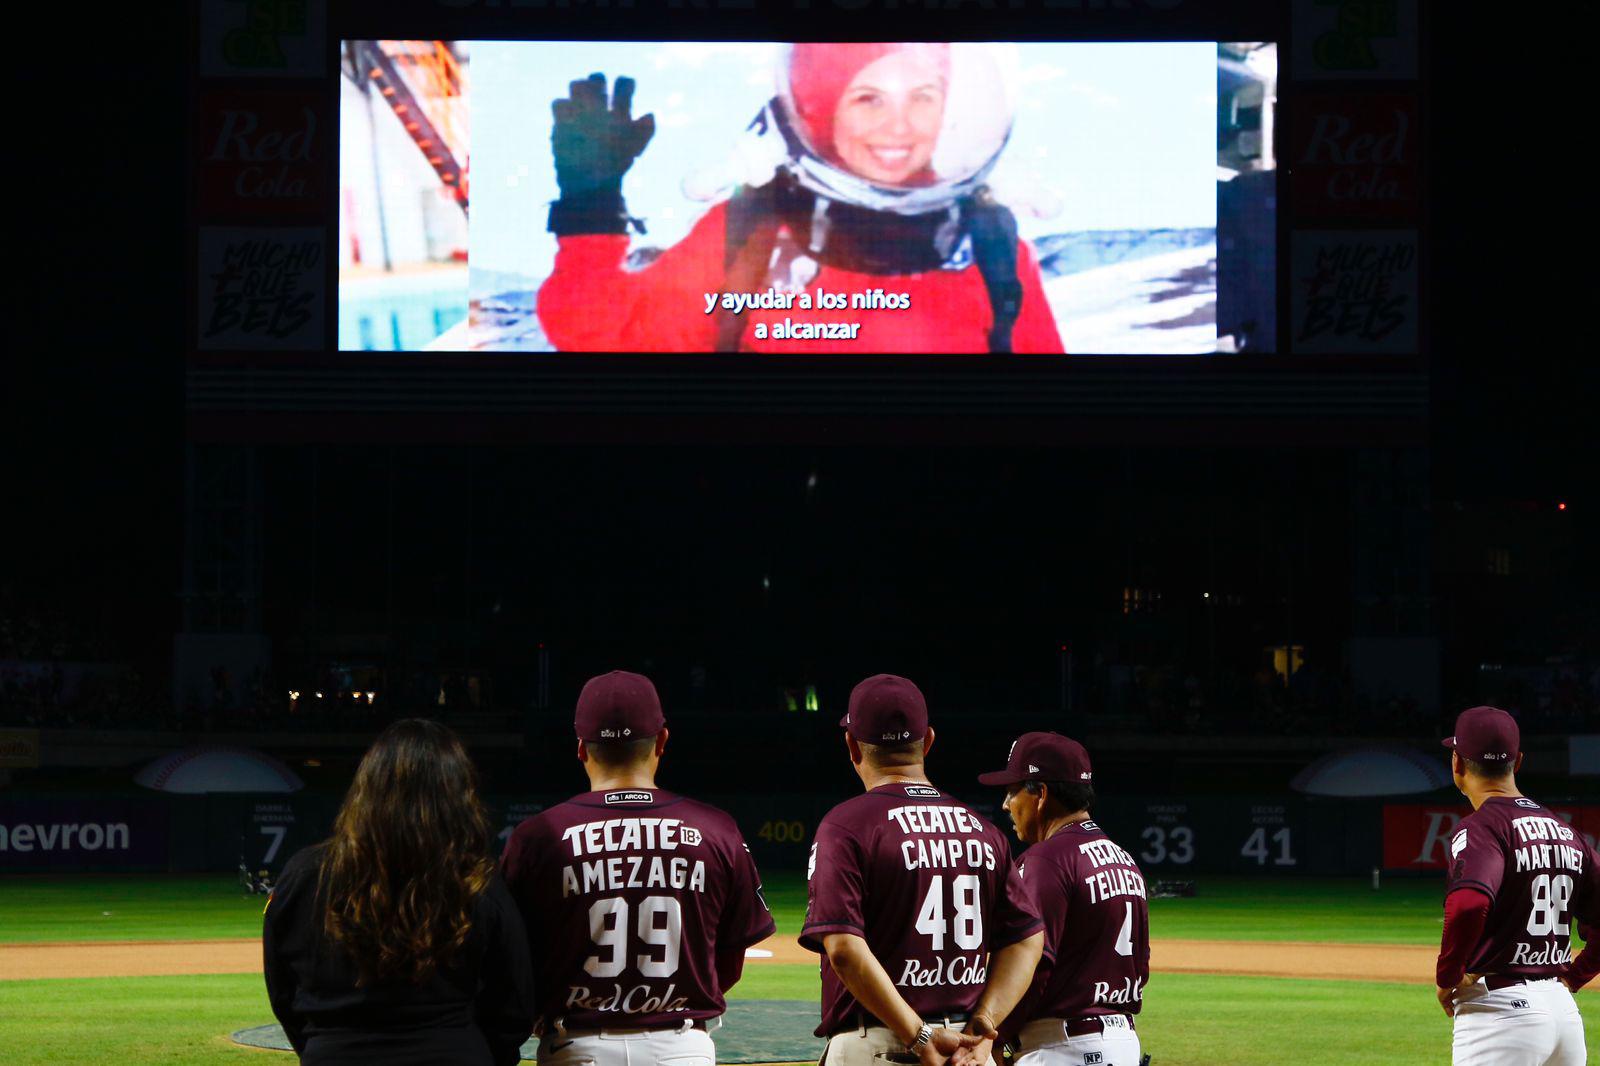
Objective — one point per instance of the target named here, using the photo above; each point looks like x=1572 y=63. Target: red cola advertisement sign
x=1355 y=156
x=1416 y=836
x=261 y=154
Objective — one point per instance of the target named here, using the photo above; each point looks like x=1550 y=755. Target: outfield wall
x=1171 y=836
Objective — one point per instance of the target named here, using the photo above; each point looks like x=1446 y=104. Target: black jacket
x=477 y=1012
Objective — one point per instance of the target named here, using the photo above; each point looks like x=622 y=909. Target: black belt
x=694 y=1023
x=871 y=1021
x=1495 y=982
x=1093 y=1023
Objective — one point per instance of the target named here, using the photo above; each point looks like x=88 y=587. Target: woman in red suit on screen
x=862 y=179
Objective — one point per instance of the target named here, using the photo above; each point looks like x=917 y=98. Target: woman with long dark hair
x=394 y=940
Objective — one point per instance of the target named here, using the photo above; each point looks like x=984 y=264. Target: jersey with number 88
x=1535 y=869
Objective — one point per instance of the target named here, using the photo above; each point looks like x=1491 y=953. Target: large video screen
x=838 y=198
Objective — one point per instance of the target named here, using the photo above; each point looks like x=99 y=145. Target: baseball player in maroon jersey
x=913 y=898
x=639 y=903
x=1091 y=895
x=1518 y=878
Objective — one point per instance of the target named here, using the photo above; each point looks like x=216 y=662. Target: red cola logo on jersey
x=1547 y=954
x=637 y=1000
x=961 y=970
x=1132 y=991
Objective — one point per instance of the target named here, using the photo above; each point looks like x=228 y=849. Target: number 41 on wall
x=1255 y=847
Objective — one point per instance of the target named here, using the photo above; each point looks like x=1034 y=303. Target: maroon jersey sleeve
x=1016 y=915
x=835 y=884
x=1477 y=858
x=746 y=920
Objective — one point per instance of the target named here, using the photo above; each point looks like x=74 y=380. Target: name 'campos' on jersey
x=926 y=849
x=631 y=870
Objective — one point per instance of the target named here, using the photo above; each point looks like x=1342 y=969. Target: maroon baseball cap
x=885 y=709
x=1042 y=757
x=618 y=706
x=1486 y=735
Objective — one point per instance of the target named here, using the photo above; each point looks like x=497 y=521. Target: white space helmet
x=901 y=127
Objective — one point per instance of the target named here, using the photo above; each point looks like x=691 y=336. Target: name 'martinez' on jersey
x=1541 y=848
x=612 y=873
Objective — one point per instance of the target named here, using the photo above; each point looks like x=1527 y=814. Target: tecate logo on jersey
x=961 y=970
x=1132 y=991
x=636 y=1000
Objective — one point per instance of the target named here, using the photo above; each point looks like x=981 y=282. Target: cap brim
x=1002 y=777
x=1448 y=742
x=844 y=723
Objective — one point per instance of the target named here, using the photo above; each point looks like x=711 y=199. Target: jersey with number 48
x=928 y=884
x=1537 y=872
x=628 y=897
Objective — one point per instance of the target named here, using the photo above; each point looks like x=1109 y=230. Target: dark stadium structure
x=1212 y=570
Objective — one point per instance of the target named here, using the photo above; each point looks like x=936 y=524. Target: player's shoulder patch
x=922 y=792
x=1523 y=801
x=1458 y=843
x=1089 y=826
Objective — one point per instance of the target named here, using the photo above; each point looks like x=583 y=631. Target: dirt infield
x=1363 y=962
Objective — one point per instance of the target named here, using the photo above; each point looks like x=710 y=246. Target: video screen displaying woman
x=825 y=198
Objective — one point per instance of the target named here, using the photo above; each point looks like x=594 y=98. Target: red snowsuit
x=591 y=304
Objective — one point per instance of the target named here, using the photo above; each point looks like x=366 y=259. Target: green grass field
x=1188 y=1020
x=145 y=908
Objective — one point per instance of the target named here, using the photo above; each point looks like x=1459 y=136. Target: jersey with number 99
x=628 y=897
x=928 y=884
x=1537 y=871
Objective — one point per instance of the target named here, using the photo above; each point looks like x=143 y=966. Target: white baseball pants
x=628 y=1047
x=1534 y=1024
x=1045 y=1043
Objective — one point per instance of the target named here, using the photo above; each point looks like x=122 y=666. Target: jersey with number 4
x=928 y=884
x=1096 y=922
x=628 y=897
x=1536 y=870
